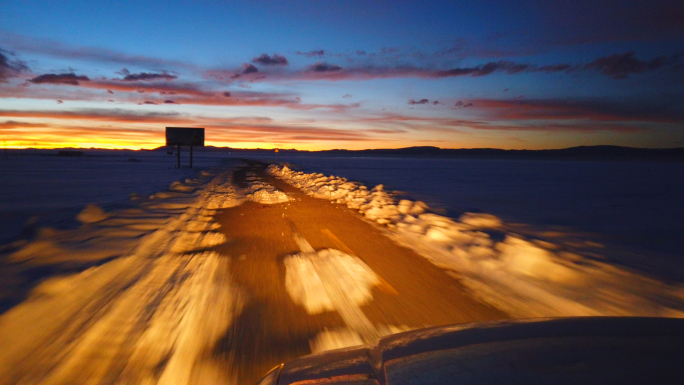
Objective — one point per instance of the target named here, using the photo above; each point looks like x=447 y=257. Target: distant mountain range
x=582 y=152
x=574 y=153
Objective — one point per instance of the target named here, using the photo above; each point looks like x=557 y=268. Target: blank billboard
x=184 y=136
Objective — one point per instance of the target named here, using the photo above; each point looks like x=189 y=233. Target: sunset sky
x=343 y=74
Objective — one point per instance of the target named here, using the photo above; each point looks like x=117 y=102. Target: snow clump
x=261 y=192
x=91 y=214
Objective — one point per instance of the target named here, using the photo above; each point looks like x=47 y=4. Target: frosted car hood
x=566 y=350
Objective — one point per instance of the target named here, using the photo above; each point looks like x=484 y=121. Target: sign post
x=184 y=136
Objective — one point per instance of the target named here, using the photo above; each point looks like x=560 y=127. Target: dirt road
x=272 y=328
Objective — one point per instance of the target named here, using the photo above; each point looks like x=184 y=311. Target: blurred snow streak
x=147 y=306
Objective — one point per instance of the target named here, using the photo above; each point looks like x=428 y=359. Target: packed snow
x=304 y=282
x=522 y=276
x=261 y=192
x=331 y=280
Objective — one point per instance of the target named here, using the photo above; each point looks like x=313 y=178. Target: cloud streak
x=313 y=53
x=9 y=67
x=101 y=114
x=620 y=66
x=275 y=60
x=323 y=67
x=67 y=78
x=421 y=101
x=617 y=66
x=146 y=76
x=56 y=49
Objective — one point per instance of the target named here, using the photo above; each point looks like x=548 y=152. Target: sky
x=316 y=75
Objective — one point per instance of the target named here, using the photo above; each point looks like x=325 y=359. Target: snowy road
x=214 y=280
x=221 y=277
x=314 y=275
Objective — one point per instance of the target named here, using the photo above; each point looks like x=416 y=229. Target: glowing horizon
x=451 y=75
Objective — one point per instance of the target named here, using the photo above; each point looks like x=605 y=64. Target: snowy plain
x=113 y=236
x=629 y=209
x=49 y=190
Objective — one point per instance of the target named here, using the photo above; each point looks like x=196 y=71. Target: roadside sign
x=184 y=136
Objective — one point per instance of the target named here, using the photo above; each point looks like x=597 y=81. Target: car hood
x=564 y=350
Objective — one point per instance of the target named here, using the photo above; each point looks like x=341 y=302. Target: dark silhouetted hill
x=576 y=153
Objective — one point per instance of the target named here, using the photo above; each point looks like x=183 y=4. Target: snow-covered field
x=49 y=190
x=522 y=274
x=113 y=258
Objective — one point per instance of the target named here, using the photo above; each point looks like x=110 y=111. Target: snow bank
x=524 y=277
x=135 y=297
x=261 y=192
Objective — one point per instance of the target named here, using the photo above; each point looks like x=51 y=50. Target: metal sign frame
x=184 y=136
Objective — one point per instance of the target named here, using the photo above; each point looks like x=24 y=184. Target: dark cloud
x=460 y=104
x=147 y=102
x=620 y=66
x=554 y=68
x=421 y=101
x=325 y=71
x=323 y=67
x=145 y=76
x=346 y=96
x=8 y=67
x=275 y=60
x=485 y=69
x=249 y=69
x=59 y=101
x=110 y=91
x=436 y=102
x=69 y=78
x=360 y=52
x=505 y=66
x=226 y=94
x=312 y=53
x=169 y=101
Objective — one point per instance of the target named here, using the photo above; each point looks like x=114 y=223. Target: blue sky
x=343 y=74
